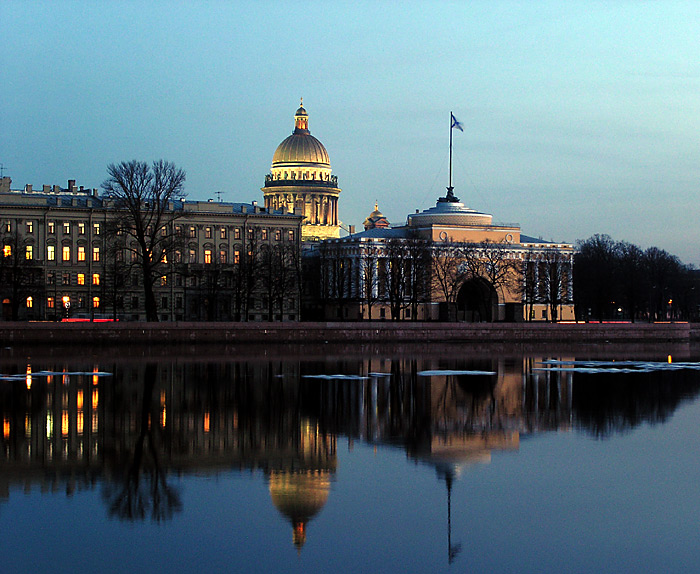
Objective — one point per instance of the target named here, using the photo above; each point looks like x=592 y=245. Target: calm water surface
x=353 y=460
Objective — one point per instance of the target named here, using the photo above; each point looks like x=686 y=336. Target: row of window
x=65 y=302
x=51 y=229
x=67 y=278
x=179 y=230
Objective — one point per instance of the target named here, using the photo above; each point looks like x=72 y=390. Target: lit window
x=237 y=233
x=8 y=227
x=66 y=253
x=65 y=279
x=193 y=256
x=207 y=256
x=29 y=252
x=291 y=235
x=178 y=230
x=51 y=252
x=50 y=302
x=81 y=253
x=207 y=232
x=164 y=231
x=7 y=250
x=30 y=227
x=81 y=228
x=95 y=278
x=30 y=302
x=178 y=256
x=264 y=234
x=95 y=302
x=223 y=256
x=236 y=257
x=95 y=253
x=52 y=227
x=163 y=280
x=96 y=228
x=81 y=278
x=223 y=233
x=193 y=231
x=250 y=232
x=66 y=228
x=278 y=235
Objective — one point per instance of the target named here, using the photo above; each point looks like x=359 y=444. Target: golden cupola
x=300 y=181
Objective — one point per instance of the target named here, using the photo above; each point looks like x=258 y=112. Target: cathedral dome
x=301 y=148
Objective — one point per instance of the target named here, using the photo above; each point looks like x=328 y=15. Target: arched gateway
x=477 y=301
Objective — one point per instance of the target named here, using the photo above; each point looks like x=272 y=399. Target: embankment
x=365 y=333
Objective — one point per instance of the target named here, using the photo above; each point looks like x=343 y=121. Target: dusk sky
x=579 y=117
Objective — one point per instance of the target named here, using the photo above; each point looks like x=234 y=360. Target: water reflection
x=134 y=433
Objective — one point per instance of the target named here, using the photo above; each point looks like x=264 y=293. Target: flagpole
x=450 y=187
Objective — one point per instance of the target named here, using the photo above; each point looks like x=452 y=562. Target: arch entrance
x=477 y=301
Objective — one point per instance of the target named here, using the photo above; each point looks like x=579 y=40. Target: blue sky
x=579 y=117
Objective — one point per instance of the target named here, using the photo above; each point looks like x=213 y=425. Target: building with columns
x=448 y=262
x=300 y=182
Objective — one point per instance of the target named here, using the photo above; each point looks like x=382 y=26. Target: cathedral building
x=300 y=182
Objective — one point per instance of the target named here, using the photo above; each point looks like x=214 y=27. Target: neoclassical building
x=448 y=262
x=300 y=182
x=59 y=259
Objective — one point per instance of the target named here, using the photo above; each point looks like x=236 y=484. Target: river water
x=353 y=459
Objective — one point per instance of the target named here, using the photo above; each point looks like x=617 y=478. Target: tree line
x=617 y=280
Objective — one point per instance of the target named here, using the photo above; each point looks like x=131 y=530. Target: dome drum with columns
x=300 y=182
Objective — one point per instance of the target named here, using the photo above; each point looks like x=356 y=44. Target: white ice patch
x=380 y=374
x=446 y=373
x=594 y=367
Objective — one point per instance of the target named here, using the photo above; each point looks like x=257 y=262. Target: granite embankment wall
x=376 y=332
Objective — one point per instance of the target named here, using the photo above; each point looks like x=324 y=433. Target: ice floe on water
x=593 y=367
x=35 y=374
x=337 y=377
x=380 y=374
x=446 y=373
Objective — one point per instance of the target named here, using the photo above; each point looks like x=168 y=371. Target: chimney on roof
x=46 y=188
x=28 y=188
x=71 y=186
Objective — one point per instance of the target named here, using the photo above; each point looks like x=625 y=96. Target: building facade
x=61 y=260
x=448 y=262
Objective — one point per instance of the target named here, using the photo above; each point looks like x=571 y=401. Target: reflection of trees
x=605 y=404
x=140 y=488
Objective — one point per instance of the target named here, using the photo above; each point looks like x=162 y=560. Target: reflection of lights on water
x=79 y=422
x=206 y=422
x=64 y=423
x=6 y=428
x=670 y=359
x=95 y=378
x=163 y=418
x=28 y=425
x=95 y=398
x=49 y=424
x=80 y=399
x=29 y=377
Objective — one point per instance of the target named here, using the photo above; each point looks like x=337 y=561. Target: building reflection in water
x=133 y=433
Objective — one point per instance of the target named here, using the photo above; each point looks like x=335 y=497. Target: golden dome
x=301 y=147
x=299 y=496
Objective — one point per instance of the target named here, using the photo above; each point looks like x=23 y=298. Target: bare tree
x=20 y=275
x=146 y=199
x=554 y=279
x=449 y=270
x=396 y=258
x=369 y=269
x=417 y=273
